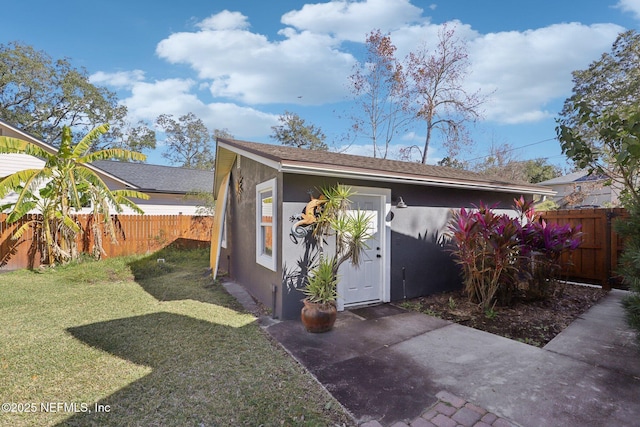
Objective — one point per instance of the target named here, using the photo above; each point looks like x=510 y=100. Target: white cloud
x=307 y=62
x=120 y=79
x=248 y=68
x=632 y=6
x=225 y=20
x=174 y=96
x=411 y=37
x=523 y=73
x=528 y=70
x=351 y=20
x=367 y=151
x=171 y=96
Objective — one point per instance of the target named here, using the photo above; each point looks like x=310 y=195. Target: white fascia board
x=255 y=157
x=120 y=180
x=370 y=175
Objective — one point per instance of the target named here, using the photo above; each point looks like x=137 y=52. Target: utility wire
x=513 y=149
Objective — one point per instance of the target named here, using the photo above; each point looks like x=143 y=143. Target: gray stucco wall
x=297 y=253
x=239 y=258
x=420 y=264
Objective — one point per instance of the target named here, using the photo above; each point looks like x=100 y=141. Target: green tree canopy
x=187 y=141
x=599 y=126
x=61 y=188
x=501 y=164
x=222 y=133
x=41 y=96
x=453 y=163
x=294 y=132
x=617 y=152
x=538 y=170
x=610 y=84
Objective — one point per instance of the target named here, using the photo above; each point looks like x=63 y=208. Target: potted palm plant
x=350 y=229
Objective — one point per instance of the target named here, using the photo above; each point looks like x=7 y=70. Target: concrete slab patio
x=390 y=367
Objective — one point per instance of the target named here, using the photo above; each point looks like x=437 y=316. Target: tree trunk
x=426 y=144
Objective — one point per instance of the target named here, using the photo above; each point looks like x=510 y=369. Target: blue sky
x=238 y=64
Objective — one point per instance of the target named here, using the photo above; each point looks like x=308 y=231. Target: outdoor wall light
x=401 y=204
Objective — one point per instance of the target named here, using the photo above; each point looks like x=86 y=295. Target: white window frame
x=265 y=260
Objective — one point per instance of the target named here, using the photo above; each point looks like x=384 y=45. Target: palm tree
x=62 y=187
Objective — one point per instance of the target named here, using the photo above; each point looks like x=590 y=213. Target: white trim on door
x=384 y=197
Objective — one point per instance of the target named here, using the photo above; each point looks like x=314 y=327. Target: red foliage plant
x=502 y=257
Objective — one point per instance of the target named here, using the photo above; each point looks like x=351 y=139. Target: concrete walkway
x=389 y=367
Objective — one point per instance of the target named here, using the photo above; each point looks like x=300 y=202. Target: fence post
x=606 y=283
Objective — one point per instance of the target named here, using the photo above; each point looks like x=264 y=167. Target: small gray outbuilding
x=261 y=188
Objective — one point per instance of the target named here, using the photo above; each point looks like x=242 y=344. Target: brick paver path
x=452 y=411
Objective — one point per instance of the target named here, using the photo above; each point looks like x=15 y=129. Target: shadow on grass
x=180 y=272
x=200 y=372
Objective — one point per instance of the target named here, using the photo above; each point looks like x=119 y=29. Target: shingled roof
x=327 y=163
x=158 y=178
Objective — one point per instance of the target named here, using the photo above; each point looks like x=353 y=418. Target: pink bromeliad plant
x=502 y=256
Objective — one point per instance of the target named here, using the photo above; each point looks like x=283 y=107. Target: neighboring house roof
x=326 y=163
x=158 y=178
x=139 y=176
x=579 y=189
x=579 y=176
x=564 y=179
x=14 y=132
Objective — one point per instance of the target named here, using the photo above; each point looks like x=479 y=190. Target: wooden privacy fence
x=596 y=260
x=137 y=234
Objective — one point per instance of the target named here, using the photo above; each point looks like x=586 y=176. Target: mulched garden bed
x=534 y=322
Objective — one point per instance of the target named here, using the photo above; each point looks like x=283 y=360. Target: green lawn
x=154 y=344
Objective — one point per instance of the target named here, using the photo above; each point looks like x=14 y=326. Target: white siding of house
x=12 y=163
x=158 y=204
x=167 y=204
x=596 y=194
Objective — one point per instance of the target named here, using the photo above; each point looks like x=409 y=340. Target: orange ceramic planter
x=318 y=318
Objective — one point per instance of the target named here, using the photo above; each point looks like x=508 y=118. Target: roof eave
x=322 y=169
x=160 y=191
x=267 y=160
x=376 y=175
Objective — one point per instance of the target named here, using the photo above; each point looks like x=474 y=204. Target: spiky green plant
x=351 y=229
x=62 y=187
x=352 y=232
x=322 y=282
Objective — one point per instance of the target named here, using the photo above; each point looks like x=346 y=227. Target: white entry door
x=364 y=284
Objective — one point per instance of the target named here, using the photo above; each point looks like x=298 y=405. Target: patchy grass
x=151 y=343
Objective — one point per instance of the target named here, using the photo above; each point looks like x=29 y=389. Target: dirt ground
x=535 y=323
